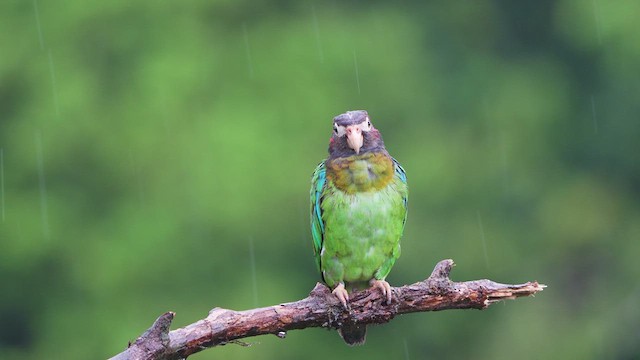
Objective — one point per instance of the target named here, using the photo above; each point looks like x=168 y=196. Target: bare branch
x=321 y=309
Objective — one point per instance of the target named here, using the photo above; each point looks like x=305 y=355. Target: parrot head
x=354 y=134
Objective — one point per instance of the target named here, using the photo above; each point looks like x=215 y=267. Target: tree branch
x=321 y=309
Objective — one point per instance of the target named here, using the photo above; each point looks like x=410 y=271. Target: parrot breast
x=367 y=172
x=364 y=215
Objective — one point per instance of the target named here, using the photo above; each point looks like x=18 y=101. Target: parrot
x=358 y=212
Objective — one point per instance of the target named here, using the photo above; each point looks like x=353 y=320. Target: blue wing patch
x=400 y=171
x=400 y=174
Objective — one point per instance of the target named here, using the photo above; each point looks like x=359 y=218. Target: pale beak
x=354 y=137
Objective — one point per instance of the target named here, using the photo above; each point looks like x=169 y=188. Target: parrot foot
x=383 y=286
x=341 y=293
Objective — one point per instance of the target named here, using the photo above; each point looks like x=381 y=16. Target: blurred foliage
x=157 y=157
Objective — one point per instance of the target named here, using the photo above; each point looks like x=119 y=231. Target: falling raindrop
x=504 y=159
x=304 y=223
x=406 y=349
x=44 y=212
x=247 y=49
x=596 y=15
x=2 y=180
x=254 y=281
x=594 y=114
x=355 y=63
x=53 y=84
x=40 y=38
x=484 y=240
x=316 y=29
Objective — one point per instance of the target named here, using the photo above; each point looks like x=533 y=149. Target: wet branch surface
x=321 y=309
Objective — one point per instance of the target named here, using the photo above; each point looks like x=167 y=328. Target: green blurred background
x=157 y=157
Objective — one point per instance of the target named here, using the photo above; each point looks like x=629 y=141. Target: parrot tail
x=353 y=334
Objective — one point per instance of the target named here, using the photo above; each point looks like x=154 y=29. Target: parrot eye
x=367 y=125
x=335 y=129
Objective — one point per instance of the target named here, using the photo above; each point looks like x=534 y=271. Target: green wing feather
x=402 y=176
x=318 y=182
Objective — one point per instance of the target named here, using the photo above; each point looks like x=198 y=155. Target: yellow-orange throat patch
x=358 y=173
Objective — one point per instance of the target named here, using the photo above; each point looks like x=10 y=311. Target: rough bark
x=321 y=309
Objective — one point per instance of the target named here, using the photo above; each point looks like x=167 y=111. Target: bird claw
x=384 y=287
x=341 y=293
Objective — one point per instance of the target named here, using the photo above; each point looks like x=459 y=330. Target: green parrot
x=358 y=211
